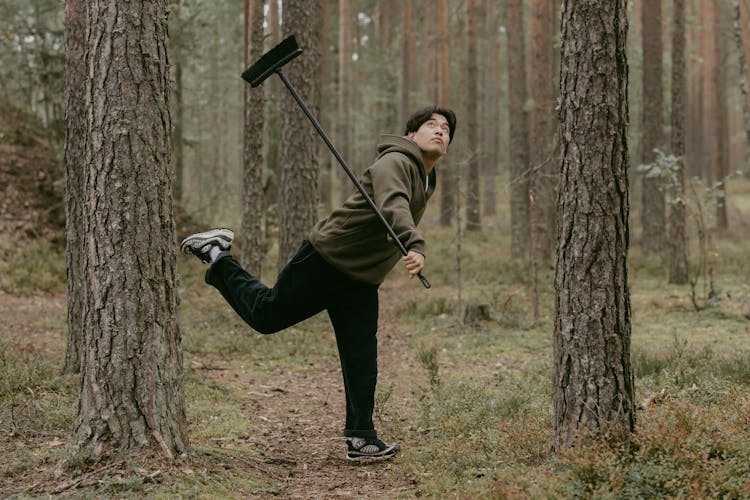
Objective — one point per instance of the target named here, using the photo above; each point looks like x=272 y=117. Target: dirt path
x=293 y=418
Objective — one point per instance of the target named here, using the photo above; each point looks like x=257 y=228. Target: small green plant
x=428 y=358
x=698 y=199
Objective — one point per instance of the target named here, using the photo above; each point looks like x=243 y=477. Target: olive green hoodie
x=353 y=239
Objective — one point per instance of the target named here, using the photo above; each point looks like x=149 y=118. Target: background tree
x=490 y=107
x=131 y=386
x=542 y=125
x=593 y=379
x=442 y=97
x=653 y=207
x=721 y=158
x=299 y=174
x=252 y=236
x=519 y=132
x=344 y=142
x=475 y=150
x=678 y=263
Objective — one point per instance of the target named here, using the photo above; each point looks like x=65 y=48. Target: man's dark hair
x=417 y=119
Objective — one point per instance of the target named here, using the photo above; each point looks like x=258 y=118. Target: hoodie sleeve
x=393 y=178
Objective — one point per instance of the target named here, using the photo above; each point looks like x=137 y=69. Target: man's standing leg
x=355 y=321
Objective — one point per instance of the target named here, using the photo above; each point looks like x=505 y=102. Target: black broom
x=271 y=62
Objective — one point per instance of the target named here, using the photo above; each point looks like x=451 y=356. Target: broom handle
x=348 y=171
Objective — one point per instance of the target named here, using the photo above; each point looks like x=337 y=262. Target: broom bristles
x=271 y=61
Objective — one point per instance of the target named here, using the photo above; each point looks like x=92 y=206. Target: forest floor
x=288 y=418
x=469 y=403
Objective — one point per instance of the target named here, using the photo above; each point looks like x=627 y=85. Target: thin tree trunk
x=473 y=216
x=721 y=162
x=325 y=112
x=344 y=91
x=653 y=206
x=275 y=94
x=179 y=156
x=75 y=150
x=131 y=386
x=678 y=264
x=252 y=236
x=299 y=174
x=491 y=108
x=743 y=83
x=519 y=133
x=447 y=187
x=593 y=389
x=542 y=126
x=409 y=59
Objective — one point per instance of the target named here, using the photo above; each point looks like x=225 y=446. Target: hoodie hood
x=400 y=144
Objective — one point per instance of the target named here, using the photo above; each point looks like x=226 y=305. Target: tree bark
x=324 y=154
x=299 y=174
x=275 y=93
x=739 y=35
x=473 y=216
x=593 y=381
x=519 y=133
x=252 y=236
x=447 y=187
x=179 y=157
x=491 y=100
x=409 y=59
x=542 y=125
x=721 y=159
x=653 y=206
x=131 y=386
x=75 y=150
x=344 y=92
x=678 y=264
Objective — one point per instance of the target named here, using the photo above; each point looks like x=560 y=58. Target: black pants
x=306 y=286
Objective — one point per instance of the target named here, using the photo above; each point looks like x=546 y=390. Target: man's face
x=433 y=136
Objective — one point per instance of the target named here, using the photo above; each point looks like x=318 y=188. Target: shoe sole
x=222 y=237
x=374 y=458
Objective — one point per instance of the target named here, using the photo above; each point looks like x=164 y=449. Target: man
x=342 y=264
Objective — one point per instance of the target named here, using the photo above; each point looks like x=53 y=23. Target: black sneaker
x=199 y=244
x=361 y=449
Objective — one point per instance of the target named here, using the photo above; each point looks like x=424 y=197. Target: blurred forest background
x=379 y=61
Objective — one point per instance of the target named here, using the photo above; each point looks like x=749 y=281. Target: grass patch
x=31 y=268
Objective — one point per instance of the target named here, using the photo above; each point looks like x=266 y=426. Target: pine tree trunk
x=721 y=163
x=491 y=109
x=326 y=109
x=542 y=126
x=593 y=382
x=740 y=37
x=519 y=133
x=131 y=386
x=409 y=59
x=299 y=174
x=179 y=156
x=75 y=150
x=275 y=93
x=344 y=136
x=678 y=264
x=473 y=216
x=653 y=206
x=252 y=236
x=447 y=186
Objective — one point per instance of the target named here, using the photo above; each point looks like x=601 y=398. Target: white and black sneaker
x=200 y=244
x=368 y=449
